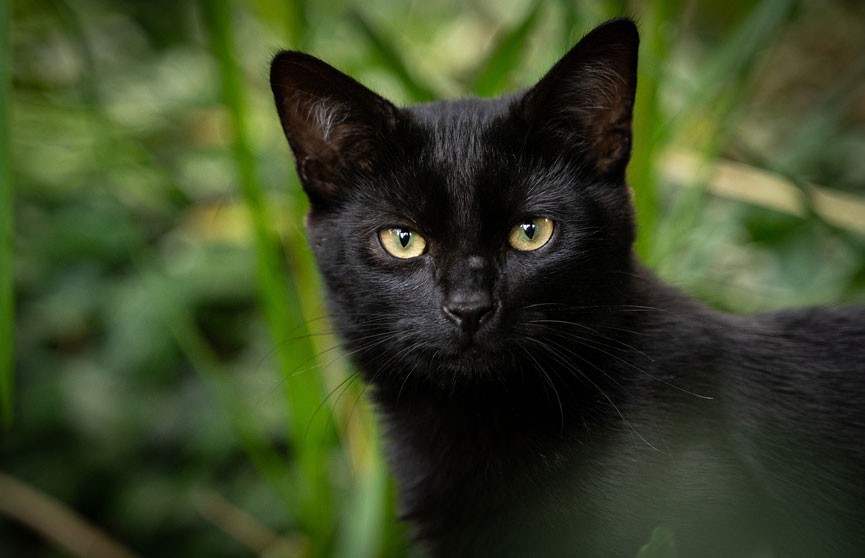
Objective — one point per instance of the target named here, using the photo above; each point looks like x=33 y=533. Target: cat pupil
x=404 y=237
x=529 y=229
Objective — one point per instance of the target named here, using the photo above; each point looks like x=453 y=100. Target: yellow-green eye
x=402 y=243
x=531 y=234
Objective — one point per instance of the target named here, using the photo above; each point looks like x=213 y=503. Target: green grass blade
x=297 y=22
x=362 y=531
x=389 y=55
x=303 y=392
x=7 y=311
x=287 y=18
x=570 y=24
x=498 y=67
x=654 y=47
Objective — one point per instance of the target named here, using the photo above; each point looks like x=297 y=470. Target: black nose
x=468 y=313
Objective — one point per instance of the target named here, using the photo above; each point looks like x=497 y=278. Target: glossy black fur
x=593 y=403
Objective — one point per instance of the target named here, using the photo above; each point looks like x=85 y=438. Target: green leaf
x=494 y=74
x=363 y=526
x=656 y=19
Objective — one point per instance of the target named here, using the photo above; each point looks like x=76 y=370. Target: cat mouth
x=473 y=340
x=473 y=347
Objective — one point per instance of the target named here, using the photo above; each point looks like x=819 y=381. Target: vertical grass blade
x=286 y=17
x=303 y=392
x=362 y=530
x=499 y=66
x=654 y=47
x=389 y=54
x=297 y=22
x=7 y=312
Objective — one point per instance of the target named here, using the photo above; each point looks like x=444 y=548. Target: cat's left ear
x=585 y=102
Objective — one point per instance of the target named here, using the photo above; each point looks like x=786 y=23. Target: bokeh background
x=174 y=388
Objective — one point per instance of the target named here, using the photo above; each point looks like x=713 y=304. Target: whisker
x=600 y=390
x=550 y=383
x=591 y=343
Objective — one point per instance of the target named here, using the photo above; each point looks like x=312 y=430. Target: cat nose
x=468 y=313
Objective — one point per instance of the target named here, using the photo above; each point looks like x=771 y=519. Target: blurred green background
x=169 y=385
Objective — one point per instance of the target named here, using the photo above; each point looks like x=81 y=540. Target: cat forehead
x=457 y=148
x=457 y=129
x=456 y=113
x=465 y=169
x=459 y=139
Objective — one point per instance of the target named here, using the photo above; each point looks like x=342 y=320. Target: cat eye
x=531 y=234
x=402 y=243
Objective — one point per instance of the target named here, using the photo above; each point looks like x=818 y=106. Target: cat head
x=453 y=236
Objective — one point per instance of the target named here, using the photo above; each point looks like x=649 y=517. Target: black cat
x=544 y=394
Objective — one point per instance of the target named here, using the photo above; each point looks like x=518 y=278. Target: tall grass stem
x=7 y=310
x=303 y=392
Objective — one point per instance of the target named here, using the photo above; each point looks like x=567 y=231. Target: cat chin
x=469 y=365
x=439 y=367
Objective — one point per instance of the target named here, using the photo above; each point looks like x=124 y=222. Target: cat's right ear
x=334 y=125
x=585 y=102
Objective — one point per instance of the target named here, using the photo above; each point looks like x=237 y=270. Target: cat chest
x=596 y=499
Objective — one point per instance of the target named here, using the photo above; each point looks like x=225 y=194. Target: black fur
x=593 y=403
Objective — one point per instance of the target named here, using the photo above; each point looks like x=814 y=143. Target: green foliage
x=389 y=56
x=302 y=392
x=498 y=68
x=171 y=343
x=7 y=311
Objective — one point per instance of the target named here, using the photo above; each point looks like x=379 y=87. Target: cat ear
x=586 y=100
x=334 y=125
